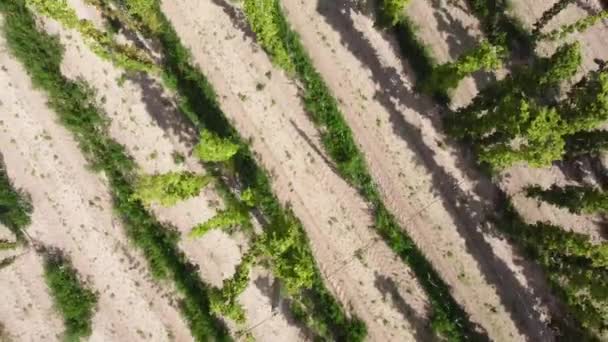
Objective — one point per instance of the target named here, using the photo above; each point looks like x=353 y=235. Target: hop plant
x=212 y=148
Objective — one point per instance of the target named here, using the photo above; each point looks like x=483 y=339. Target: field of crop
x=287 y=170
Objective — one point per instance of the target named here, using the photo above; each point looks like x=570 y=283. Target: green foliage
x=446 y=77
x=391 y=12
x=74 y=301
x=586 y=142
x=225 y=300
x=212 y=148
x=580 y=26
x=264 y=18
x=506 y=121
x=449 y=319
x=6 y=245
x=100 y=43
x=41 y=56
x=169 y=188
x=197 y=101
x=576 y=268
x=248 y=197
x=577 y=199
x=224 y=219
x=15 y=206
x=536 y=137
x=587 y=104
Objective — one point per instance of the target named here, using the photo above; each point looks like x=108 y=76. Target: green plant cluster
x=15 y=205
x=448 y=319
x=580 y=26
x=224 y=300
x=101 y=43
x=212 y=148
x=285 y=244
x=576 y=268
x=169 y=188
x=445 y=77
x=509 y=121
x=578 y=199
x=224 y=219
x=73 y=299
x=391 y=12
x=6 y=245
x=41 y=55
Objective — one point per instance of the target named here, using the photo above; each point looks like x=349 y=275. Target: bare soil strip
x=426 y=183
x=264 y=105
x=72 y=211
x=26 y=308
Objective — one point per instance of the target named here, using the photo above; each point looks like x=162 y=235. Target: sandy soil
x=377 y=286
x=26 y=309
x=72 y=211
x=426 y=183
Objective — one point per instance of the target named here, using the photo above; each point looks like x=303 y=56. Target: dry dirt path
x=264 y=106
x=425 y=182
x=145 y=120
x=72 y=211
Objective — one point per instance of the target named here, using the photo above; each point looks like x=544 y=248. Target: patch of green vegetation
x=212 y=148
x=169 y=188
x=41 y=56
x=101 y=43
x=15 y=205
x=73 y=299
x=448 y=319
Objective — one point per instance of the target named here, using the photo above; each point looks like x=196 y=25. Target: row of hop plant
x=41 y=56
x=542 y=134
x=267 y=20
x=283 y=243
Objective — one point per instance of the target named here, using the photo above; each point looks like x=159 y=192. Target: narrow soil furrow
x=264 y=106
x=26 y=308
x=72 y=211
x=427 y=184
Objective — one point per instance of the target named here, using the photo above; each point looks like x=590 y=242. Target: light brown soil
x=72 y=211
x=377 y=286
x=439 y=200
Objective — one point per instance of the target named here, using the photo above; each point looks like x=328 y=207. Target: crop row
x=41 y=55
